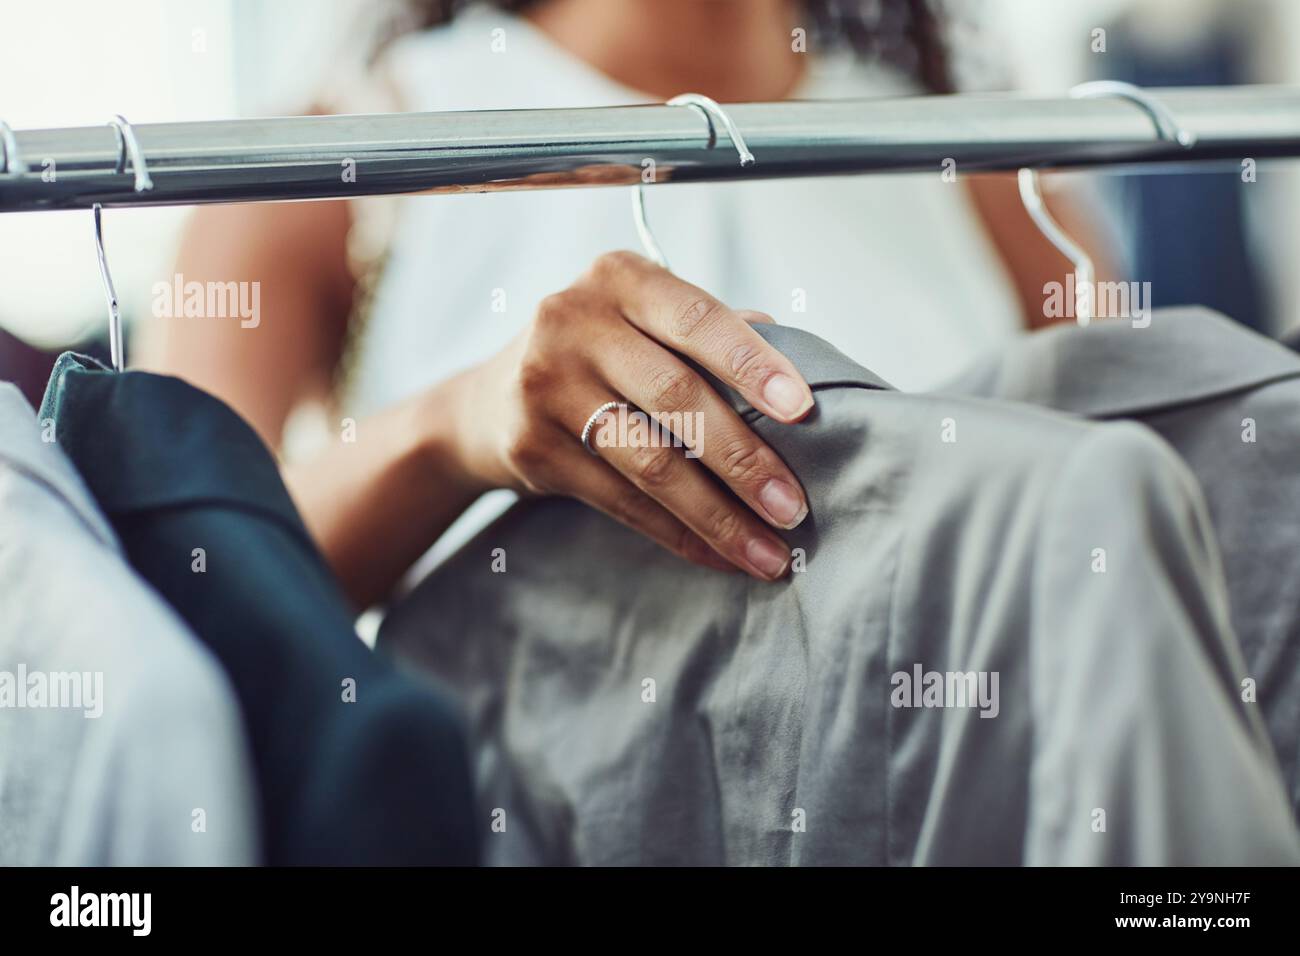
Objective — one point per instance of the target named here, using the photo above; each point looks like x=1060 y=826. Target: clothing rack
x=309 y=157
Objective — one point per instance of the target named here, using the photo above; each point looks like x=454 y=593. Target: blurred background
x=1195 y=236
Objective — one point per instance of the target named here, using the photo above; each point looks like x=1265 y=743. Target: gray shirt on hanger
x=1228 y=401
x=1005 y=641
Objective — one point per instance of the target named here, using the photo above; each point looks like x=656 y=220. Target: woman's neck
x=731 y=50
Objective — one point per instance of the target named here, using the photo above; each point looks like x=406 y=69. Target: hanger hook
x=1167 y=124
x=128 y=147
x=12 y=160
x=711 y=111
x=1031 y=194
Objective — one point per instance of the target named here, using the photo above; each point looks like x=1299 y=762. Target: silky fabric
x=629 y=708
x=1228 y=400
x=143 y=763
x=356 y=762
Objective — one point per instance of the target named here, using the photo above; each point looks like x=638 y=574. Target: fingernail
x=768 y=558
x=783 y=503
x=787 y=397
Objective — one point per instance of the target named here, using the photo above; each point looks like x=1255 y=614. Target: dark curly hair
x=906 y=34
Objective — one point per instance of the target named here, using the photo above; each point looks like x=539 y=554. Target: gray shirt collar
x=1110 y=368
x=822 y=365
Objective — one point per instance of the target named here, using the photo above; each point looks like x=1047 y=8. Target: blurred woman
x=471 y=337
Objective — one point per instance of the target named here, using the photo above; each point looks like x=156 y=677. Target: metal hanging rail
x=319 y=157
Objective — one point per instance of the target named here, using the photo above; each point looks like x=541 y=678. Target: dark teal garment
x=379 y=780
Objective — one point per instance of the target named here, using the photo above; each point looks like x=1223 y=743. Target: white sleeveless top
x=896 y=271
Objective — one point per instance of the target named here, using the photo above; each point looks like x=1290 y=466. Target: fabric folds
x=1006 y=640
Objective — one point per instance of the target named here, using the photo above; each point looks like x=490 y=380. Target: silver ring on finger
x=594 y=420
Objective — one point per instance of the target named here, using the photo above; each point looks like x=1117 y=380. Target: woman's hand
x=611 y=337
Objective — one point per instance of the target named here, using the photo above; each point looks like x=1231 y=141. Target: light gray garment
x=772 y=738
x=119 y=789
x=1228 y=401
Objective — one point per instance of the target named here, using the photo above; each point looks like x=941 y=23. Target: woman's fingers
x=662 y=471
x=611 y=338
x=683 y=405
x=588 y=479
x=689 y=320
